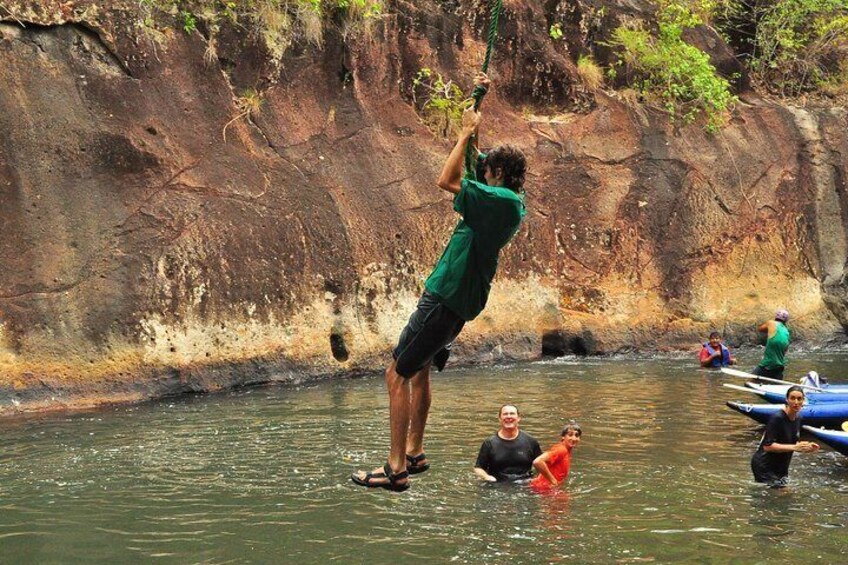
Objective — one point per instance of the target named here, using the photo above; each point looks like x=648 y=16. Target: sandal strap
x=376 y=474
x=392 y=476
x=416 y=459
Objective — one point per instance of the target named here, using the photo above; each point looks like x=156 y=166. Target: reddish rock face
x=157 y=237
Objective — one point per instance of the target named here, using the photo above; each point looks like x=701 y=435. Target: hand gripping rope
x=480 y=91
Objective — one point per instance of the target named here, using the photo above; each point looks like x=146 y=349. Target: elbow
x=448 y=185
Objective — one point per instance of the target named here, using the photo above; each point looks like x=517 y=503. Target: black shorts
x=431 y=328
x=768 y=373
x=763 y=474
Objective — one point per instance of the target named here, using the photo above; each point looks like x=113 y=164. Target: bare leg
x=399 y=416
x=419 y=410
x=399 y=412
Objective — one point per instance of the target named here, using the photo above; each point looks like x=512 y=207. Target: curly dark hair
x=511 y=161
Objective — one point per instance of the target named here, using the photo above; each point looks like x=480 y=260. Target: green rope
x=479 y=91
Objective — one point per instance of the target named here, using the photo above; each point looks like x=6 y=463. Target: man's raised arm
x=451 y=175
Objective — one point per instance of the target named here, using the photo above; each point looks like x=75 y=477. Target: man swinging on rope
x=455 y=293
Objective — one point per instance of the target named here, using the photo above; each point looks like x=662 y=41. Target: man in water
x=715 y=353
x=507 y=455
x=777 y=342
x=455 y=293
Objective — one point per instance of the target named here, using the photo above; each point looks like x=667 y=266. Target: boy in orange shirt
x=553 y=465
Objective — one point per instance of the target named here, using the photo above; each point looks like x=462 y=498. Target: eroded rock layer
x=157 y=238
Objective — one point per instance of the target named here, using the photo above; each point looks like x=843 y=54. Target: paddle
x=750 y=390
x=744 y=375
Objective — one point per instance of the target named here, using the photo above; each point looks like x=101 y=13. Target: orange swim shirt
x=559 y=463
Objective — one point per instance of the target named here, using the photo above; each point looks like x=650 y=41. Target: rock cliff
x=163 y=233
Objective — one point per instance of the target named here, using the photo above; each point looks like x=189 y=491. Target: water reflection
x=662 y=474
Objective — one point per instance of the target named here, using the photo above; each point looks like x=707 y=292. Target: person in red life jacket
x=554 y=464
x=715 y=353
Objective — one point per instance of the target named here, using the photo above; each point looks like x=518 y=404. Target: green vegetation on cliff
x=792 y=46
x=670 y=72
x=264 y=10
x=278 y=22
x=439 y=102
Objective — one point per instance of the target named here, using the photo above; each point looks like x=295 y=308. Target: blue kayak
x=827 y=414
x=836 y=440
x=777 y=393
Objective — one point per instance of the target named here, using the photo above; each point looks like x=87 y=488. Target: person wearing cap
x=715 y=353
x=554 y=464
x=777 y=342
x=508 y=455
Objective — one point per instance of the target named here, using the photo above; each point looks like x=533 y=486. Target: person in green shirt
x=777 y=342
x=454 y=293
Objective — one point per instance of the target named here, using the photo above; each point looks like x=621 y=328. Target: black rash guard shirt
x=769 y=467
x=508 y=460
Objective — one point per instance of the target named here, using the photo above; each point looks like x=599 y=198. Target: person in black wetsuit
x=770 y=463
x=507 y=455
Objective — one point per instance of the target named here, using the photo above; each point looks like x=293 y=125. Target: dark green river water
x=261 y=476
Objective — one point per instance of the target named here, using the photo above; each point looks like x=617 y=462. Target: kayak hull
x=781 y=388
x=827 y=414
x=776 y=394
x=835 y=439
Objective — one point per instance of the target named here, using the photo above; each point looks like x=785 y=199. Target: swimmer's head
x=513 y=406
x=509 y=417
x=571 y=434
x=795 y=388
x=571 y=426
x=795 y=397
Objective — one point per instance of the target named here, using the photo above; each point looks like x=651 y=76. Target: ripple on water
x=662 y=475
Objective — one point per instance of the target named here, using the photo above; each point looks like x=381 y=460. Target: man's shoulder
x=526 y=437
x=490 y=191
x=490 y=440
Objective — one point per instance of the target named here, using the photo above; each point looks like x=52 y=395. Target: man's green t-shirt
x=463 y=276
x=776 y=347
